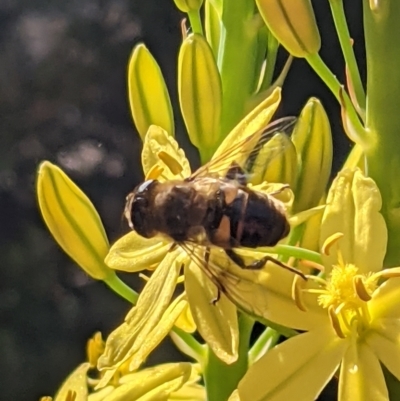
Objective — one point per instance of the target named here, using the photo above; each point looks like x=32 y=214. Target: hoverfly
x=213 y=210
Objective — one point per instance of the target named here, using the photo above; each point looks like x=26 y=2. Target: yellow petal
x=361 y=377
x=312 y=138
x=148 y=93
x=76 y=383
x=353 y=208
x=157 y=140
x=133 y=253
x=254 y=122
x=185 y=321
x=217 y=323
x=152 y=384
x=276 y=162
x=150 y=314
x=293 y=24
x=297 y=369
x=73 y=221
x=267 y=294
x=384 y=341
x=385 y=300
x=200 y=93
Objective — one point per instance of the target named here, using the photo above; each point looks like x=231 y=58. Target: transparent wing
x=245 y=152
x=242 y=287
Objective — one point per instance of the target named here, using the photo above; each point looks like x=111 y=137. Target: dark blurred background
x=63 y=98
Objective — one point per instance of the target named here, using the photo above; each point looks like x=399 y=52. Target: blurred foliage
x=63 y=97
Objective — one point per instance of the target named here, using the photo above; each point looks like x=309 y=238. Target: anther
x=360 y=289
x=171 y=162
x=297 y=293
x=330 y=241
x=335 y=322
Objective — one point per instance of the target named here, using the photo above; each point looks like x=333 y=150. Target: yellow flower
x=217 y=323
x=173 y=381
x=73 y=221
x=356 y=316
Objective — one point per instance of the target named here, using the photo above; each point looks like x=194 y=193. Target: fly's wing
x=242 y=287
x=245 y=152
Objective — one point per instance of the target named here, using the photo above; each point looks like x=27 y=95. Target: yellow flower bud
x=276 y=162
x=148 y=93
x=313 y=141
x=188 y=5
x=200 y=93
x=73 y=221
x=293 y=24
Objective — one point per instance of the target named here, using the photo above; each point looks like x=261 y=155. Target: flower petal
x=76 y=383
x=297 y=369
x=353 y=206
x=384 y=340
x=255 y=121
x=385 y=300
x=361 y=377
x=151 y=314
x=133 y=253
x=152 y=384
x=217 y=323
x=157 y=140
x=73 y=220
x=266 y=294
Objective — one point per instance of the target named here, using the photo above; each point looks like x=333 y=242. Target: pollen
x=340 y=287
x=345 y=295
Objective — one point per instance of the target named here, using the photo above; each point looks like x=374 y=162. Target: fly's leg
x=256 y=265
x=214 y=280
x=281 y=189
x=259 y=264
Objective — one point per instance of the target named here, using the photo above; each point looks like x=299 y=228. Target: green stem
x=291 y=251
x=348 y=53
x=382 y=27
x=318 y=65
x=195 y=21
x=196 y=349
x=236 y=59
x=268 y=339
x=221 y=379
x=119 y=287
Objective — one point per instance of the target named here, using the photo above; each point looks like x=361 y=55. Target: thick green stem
x=221 y=379
x=382 y=30
x=236 y=59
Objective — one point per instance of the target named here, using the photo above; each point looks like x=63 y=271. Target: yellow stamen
x=360 y=288
x=297 y=292
x=335 y=322
x=154 y=173
x=330 y=241
x=171 y=162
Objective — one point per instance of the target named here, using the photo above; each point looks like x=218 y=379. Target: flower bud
x=187 y=6
x=73 y=221
x=293 y=24
x=148 y=93
x=313 y=141
x=200 y=93
x=276 y=162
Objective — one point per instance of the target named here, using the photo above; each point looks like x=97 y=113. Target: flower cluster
x=332 y=311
